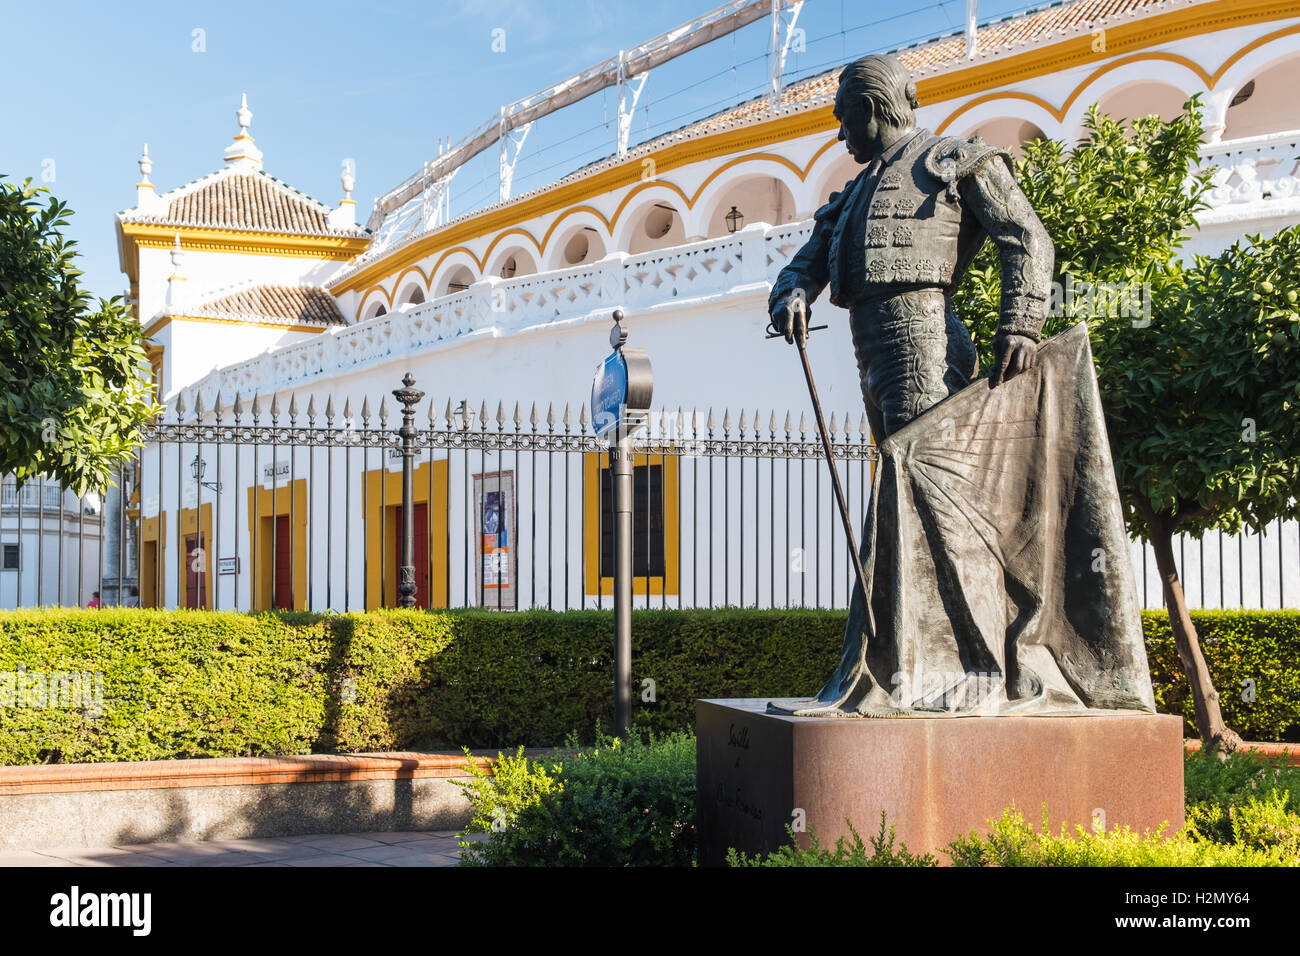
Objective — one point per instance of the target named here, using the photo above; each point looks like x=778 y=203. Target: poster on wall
x=497 y=559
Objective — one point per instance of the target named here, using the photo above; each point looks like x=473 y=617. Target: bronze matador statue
x=994 y=550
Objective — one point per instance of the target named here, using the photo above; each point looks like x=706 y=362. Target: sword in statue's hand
x=796 y=331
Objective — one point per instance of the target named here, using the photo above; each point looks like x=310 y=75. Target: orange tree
x=72 y=397
x=1198 y=362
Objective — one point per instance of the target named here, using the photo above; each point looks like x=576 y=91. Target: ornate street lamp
x=734 y=220
x=197 y=467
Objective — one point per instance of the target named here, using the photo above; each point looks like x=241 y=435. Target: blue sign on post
x=608 y=393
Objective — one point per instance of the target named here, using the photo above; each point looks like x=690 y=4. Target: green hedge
x=195 y=683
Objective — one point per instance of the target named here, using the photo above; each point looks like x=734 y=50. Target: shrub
x=846 y=853
x=224 y=684
x=618 y=803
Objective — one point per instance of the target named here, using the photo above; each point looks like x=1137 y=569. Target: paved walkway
x=423 y=848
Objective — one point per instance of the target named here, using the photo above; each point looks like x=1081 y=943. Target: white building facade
x=247 y=289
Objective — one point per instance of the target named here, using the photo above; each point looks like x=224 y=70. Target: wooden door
x=420 y=554
x=283 y=597
x=196 y=572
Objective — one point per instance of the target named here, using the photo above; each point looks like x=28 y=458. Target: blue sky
x=84 y=84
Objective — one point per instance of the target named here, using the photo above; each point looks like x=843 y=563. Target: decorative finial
x=242 y=152
x=146 y=166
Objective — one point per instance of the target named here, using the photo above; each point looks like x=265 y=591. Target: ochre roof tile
x=290 y=305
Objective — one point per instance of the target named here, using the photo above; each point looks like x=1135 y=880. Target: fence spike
x=482 y=413
x=758 y=425
x=450 y=412
x=862 y=426
x=347 y=411
x=293 y=407
x=803 y=424
x=831 y=427
x=518 y=420
x=663 y=421
x=365 y=410
x=433 y=412
x=275 y=407
x=311 y=409
x=771 y=424
x=695 y=420
x=709 y=423
x=501 y=413
x=180 y=405
x=788 y=424
x=218 y=408
x=198 y=406
x=681 y=420
x=383 y=410
x=744 y=422
x=532 y=416
x=550 y=415
x=726 y=420
x=568 y=417
x=329 y=409
x=238 y=408
x=582 y=417
x=257 y=409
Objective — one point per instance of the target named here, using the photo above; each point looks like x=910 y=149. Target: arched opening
x=375 y=309
x=515 y=262
x=657 y=227
x=1264 y=104
x=580 y=246
x=412 y=295
x=456 y=279
x=754 y=199
x=1143 y=98
x=1009 y=132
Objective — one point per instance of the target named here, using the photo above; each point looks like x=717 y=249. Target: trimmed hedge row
x=197 y=683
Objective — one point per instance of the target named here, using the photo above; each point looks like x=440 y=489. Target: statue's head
x=876 y=102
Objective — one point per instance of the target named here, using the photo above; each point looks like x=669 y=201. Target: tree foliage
x=1201 y=391
x=72 y=398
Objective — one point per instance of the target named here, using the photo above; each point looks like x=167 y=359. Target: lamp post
x=408 y=395
x=620 y=401
x=197 y=469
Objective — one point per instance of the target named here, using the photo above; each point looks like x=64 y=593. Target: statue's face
x=857 y=125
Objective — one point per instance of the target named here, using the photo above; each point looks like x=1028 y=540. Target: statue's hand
x=1012 y=354
x=787 y=318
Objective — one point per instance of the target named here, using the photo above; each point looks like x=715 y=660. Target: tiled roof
x=287 y=304
x=245 y=200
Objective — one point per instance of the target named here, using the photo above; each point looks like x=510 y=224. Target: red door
x=196 y=572
x=283 y=552
x=420 y=553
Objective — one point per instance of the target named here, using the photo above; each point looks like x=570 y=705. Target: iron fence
x=287 y=504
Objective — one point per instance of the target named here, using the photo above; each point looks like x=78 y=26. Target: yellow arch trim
x=650 y=184
x=991 y=97
x=388 y=300
x=546 y=238
x=487 y=255
x=1134 y=58
x=1252 y=45
x=402 y=275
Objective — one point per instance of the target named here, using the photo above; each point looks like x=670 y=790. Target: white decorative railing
x=1253 y=169
x=649 y=280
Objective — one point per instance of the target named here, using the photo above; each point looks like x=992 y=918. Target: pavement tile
x=29 y=858
x=410 y=837
x=323 y=859
x=340 y=842
x=380 y=854
x=423 y=859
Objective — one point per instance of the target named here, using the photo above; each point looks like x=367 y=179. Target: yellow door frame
x=264 y=506
x=594 y=465
x=381 y=537
x=152 y=531
x=197 y=521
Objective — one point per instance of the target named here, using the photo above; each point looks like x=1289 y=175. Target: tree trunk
x=1215 y=734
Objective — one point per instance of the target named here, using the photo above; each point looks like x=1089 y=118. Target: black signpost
x=620 y=401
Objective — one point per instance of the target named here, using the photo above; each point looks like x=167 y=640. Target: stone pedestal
x=935 y=778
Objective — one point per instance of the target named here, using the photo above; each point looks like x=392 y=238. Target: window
x=647 y=522
x=10 y=558
x=656 y=540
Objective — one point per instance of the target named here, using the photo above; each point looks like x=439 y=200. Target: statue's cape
x=995 y=544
